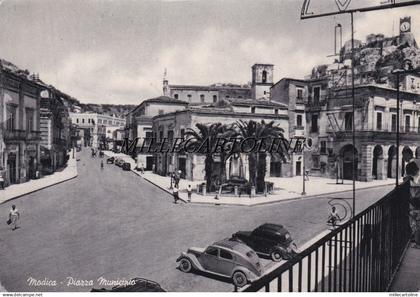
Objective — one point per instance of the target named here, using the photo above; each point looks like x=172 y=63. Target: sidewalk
x=408 y=275
x=15 y=191
x=285 y=188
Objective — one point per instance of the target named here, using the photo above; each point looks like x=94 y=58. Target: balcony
x=21 y=135
x=316 y=105
x=33 y=135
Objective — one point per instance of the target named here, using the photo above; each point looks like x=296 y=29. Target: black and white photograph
x=207 y=146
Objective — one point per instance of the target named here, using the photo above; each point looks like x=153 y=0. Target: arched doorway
x=407 y=155
x=391 y=161
x=377 y=164
x=349 y=159
x=418 y=152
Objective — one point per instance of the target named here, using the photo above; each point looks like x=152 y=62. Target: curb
x=36 y=190
x=158 y=186
x=287 y=199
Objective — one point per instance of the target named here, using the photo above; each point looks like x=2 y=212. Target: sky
x=116 y=51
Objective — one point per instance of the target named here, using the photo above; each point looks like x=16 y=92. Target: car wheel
x=239 y=279
x=185 y=265
x=276 y=256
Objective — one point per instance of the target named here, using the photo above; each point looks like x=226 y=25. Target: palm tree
x=257 y=159
x=206 y=133
x=225 y=132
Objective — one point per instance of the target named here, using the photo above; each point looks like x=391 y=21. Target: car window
x=226 y=255
x=211 y=251
x=250 y=254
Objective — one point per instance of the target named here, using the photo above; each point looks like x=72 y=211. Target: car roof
x=233 y=245
x=273 y=228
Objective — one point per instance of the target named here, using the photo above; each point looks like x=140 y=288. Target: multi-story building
x=139 y=123
x=55 y=129
x=175 y=124
x=230 y=105
x=329 y=109
x=20 y=131
x=96 y=124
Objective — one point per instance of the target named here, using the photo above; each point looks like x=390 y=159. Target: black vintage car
x=135 y=285
x=126 y=166
x=269 y=240
x=110 y=160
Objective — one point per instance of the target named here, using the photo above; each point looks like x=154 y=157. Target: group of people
x=176 y=193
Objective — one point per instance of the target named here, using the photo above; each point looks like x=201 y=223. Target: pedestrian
x=176 y=179
x=14 y=217
x=333 y=218
x=102 y=164
x=189 y=191
x=141 y=168
x=175 y=193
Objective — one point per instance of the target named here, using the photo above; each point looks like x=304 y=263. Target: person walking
x=14 y=217
x=189 y=191
x=175 y=193
x=102 y=164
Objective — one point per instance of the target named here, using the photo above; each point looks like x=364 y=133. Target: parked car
x=110 y=160
x=126 y=166
x=136 y=285
x=119 y=162
x=227 y=258
x=269 y=240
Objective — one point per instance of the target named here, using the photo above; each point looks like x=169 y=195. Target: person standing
x=189 y=191
x=102 y=164
x=14 y=217
x=175 y=193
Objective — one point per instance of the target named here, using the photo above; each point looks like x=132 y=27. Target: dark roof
x=208 y=88
x=252 y=102
x=165 y=99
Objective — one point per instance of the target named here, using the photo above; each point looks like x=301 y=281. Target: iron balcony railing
x=362 y=255
x=21 y=135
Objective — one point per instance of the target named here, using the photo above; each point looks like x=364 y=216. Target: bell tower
x=262 y=80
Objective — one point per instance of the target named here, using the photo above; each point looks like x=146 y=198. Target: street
x=113 y=224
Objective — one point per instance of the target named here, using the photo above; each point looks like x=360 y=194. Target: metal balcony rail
x=362 y=255
x=14 y=134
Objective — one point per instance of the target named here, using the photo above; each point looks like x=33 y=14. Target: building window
x=77 y=120
x=299 y=120
x=276 y=111
x=214 y=98
x=315 y=161
x=394 y=122
x=89 y=121
x=379 y=121
x=418 y=125
x=202 y=98
x=227 y=97
x=29 y=119
x=189 y=97
x=264 y=77
x=314 y=123
x=176 y=96
x=11 y=118
x=323 y=149
x=348 y=121
x=182 y=133
x=83 y=121
x=317 y=91
x=407 y=123
x=299 y=94
x=99 y=121
x=253 y=109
